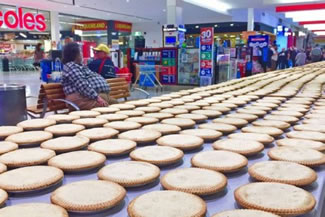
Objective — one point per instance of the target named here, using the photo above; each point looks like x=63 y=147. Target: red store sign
x=20 y=20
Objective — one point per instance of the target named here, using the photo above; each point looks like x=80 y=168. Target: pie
x=167 y=204
x=66 y=143
x=7 y=147
x=181 y=122
x=96 y=134
x=284 y=118
x=245 y=213
x=315 y=136
x=157 y=155
x=106 y=110
x=232 y=121
x=194 y=180
x=148 y=109
x=209 y=113
x=224 y=128
x=278 y=198
x=130 y=173
x=34 y=178
x=144 y=120
x=206 y=134
x=123 y=106
x=141 y=136
x=113 y=117
x=259 y=113
x=270 y=123
x=198 y=118
x=222 y=161
x=247 y=117
x=9 y=130
x=304 y=143
x=272 y=131
x=162 y=105
x=3 y=168
x=65 y=129
x=90 y=122
x=27 y=157
x=36 y=124
x=159 y=116
x=174 y=111
x=138 y=103
x=131 y=113
x=62 y=118
x=122 y=126
x=283 y=172
x=85 y=114
x=88 y=196
x=77 y=161
x=240 y=146
x=113 y=147
x=183 y=142
x=164 y=129
x=310 y=127
x=29 y=138
x=33 y=210
x=304 y=156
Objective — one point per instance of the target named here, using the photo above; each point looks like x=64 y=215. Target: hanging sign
x=206 y=55
x=122 y=26
x=91 y=25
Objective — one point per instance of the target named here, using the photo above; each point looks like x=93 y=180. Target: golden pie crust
x=209 y=113
x=26 y=157
x=7 y=147
x=131 y=113
x=113 y=147
x=265 y=196
x=66 y=143
x=247 y=117
x=130 y=173
x=232 y=121
x=113 y=117
x=272 y=131
x=144 y=120
x=62 y=118
x=259 y=113
x=77 y=161
x=224 y=128
x=90 y=122
x=164 y=129
x=65 y=129
x=310 y=127
x=157 y=155
x=240 y=146
x=183 y=142
x=30 y=178
x=85 y=114
x=88 y=196
x=245 y=213
x=29 y=138
x=34 y=210
x=284 y=118
x=96 y=134
x=123 y=106
x=159 y=116
x=174 y=111
x=141 y=136
x=122 y=126
x=167 y=204
x=282 y=172
x=221 y=161
x=36 y=124
x=206 y=134
x=6 y=131
x=3 y=168
x=304 y=156
x=198 y=118
x=194 y=180
x=148 y=109
x=315 y=136
x=270 y=123
x=106 y=110
x=181 y=122
x=303 y=143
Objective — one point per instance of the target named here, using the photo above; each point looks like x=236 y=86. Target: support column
x=250 y=20
x=55 y=29
x=174 y=12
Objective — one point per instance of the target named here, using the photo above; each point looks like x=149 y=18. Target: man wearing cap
x=102 y=64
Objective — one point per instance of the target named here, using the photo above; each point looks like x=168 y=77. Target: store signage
x=91 y=25
x=206 y=54
x=258 y=41
x=123 y=26
x=20 y=20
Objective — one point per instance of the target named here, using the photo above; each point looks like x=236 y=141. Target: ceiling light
x=197 y=27
x=216 y=25
x=214 y=5
x=288 y=1
x=164 y=10
x=320 y=33
x=231 y=24
x=311 y=15
x=23 y=35
x=315 y=26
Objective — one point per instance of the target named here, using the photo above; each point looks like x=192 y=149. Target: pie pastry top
x=123 y=106
x=112 y=147
x=224 y=128
x=66 y=143
x=222 y=161
x=29 y=138
x=245 y=213
x=247 y=117
x=183 y=142
x=316 y=136
x=106 y=110
x=113 y=117
x=62 y=118
x=65 y=129
x=233 y=121
x=130 y=173
x=123 y=125
x=206 y=134
x=194 y=180
x=270 y=123
x=310 y=127
x=88 y=196
x=33 y=210
x=9 y=130
x=140 y=136
x=85 y=114
x=36 y=124
x=241 y=146
x=91 y=122
x=7 y=147
x=34 y=178
x=158 y=155
x=303 y=143
x=272 y=131
x=265 y=196
x=163 y=128
x=159 y=116
x=144 y=120
x=26 y=157
x=167 y=204
x=181 y=122
x=260 y=137
x=95 y=134
x=283 y=172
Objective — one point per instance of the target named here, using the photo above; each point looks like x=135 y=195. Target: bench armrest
x=142 y=91
x=67 y=102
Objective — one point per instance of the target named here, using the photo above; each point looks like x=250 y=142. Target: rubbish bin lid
x=6 y=87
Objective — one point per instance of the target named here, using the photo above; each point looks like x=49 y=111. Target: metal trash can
x=12 y=104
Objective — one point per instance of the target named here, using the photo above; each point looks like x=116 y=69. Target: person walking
x=38 y=55
x=293 y=54
x=301 y=58
x=283 y=59
x=316 y=54
x=274 y=58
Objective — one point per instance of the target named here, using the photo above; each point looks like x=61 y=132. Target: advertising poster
x=206 y=56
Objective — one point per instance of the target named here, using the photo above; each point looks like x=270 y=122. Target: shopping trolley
x=147 y=76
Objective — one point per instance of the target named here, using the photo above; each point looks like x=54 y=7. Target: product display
x=113 y=147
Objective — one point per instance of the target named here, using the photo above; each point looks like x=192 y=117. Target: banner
x=122 y=26
x=206 y=55
x=91 y=25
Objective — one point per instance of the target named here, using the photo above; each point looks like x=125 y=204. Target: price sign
x=206 y=53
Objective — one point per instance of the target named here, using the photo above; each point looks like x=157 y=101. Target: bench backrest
x=119 y=88
x=54 y=91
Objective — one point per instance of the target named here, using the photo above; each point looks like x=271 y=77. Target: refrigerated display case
x=226 y=66
x=188 y=66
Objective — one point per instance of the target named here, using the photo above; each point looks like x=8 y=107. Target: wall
x=153 y=34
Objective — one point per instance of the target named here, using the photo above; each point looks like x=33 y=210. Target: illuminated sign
x=91 y=25
x=20 y=20
x=123 y=26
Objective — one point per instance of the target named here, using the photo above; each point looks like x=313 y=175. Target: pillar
x=174 y=12
x=55 y=29
x=250 y=20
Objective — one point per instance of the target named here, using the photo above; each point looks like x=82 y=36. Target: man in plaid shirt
x=85 y=88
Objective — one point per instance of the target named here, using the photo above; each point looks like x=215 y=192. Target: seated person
x=102 y=64
x=85 y=88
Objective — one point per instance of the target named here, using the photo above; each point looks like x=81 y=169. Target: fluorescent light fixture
x=315 y=26
x=213 y=5
x=78 y=32
x=94 y=35
x=197 y=27
x=310 y=15
x=288 y=1
x=23 y=35
x=216 y=25
x=320 y=33
x=232 y=24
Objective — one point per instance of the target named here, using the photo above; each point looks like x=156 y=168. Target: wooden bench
x=51 y=97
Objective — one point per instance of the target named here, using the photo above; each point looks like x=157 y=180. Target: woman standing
x=38 y=55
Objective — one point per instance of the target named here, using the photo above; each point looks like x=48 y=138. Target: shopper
x=293 y=54
x=301 y=58
x=82 y=86
x=102 y=64
x=274 y=57
x=316 y=54
x=283 y=59
x=38 y=55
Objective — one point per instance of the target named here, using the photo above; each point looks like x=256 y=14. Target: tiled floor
x=32 y=82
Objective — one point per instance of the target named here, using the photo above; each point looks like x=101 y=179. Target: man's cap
x=102 y=47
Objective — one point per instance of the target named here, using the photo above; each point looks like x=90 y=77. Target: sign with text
x=91 y=25
x=122 y=26
x=206 y=55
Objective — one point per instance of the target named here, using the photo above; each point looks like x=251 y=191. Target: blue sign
x=258 y=41
x=206 y=72
x=206 y=48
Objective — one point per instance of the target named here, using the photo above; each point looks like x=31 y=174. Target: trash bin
x=5 y=64
x=12 y=104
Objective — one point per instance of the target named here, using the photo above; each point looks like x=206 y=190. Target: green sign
x=206 y=55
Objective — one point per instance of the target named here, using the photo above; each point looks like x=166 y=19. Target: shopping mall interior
x=162 y=108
